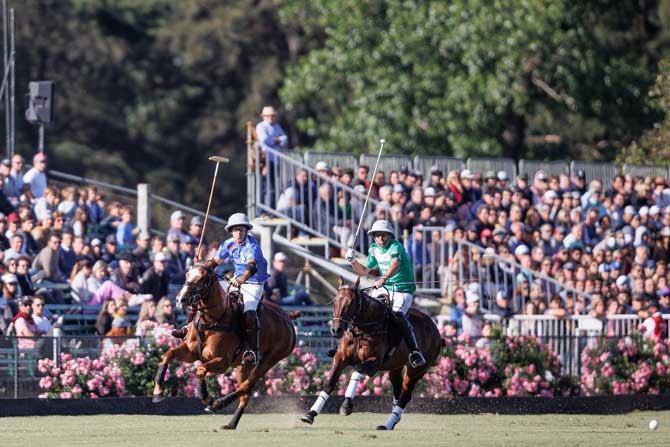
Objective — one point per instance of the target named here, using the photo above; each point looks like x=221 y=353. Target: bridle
x=357 y=299
x=194 y=299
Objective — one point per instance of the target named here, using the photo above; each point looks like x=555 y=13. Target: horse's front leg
x=215 y=365
x=368 y=365
x=335 y=371
x=180 y=353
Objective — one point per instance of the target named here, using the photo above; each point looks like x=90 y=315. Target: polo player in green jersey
x=388 y=258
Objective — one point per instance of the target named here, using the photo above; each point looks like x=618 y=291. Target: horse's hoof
x=228 y=427
x=309 y=417
x=158 y=398
x=210 y=410
x=382 y=427
x=347 y=406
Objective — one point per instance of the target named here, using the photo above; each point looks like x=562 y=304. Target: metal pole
x=5 y=59
x=12 y=81
x=16 y=368
x=40 y=138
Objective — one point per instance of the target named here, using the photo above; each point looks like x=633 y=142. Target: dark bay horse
x=215 y=338
x=362 y=325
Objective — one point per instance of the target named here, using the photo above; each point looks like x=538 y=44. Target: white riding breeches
x=400 y=301
x=251 y=294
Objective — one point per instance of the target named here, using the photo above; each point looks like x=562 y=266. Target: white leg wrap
x=394 y=418
x=320 y=402
x=353 y=384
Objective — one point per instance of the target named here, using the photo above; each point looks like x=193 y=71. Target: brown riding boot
x=182 y=331
x=251 y=338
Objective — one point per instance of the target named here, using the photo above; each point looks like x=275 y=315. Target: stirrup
x=180 y=333
x=249 y=353
x=416 y=359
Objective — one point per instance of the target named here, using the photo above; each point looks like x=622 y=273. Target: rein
x=364 y=302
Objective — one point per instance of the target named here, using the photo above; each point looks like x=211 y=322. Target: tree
x=475 y=77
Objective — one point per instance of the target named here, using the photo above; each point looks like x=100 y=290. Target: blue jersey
x=240 y=255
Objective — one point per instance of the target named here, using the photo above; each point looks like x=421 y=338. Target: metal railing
x=441 y=264
x=314 y=204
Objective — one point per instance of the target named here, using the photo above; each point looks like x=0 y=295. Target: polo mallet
x=218 y=160
x=367 y=197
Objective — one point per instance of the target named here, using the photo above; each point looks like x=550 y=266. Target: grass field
x=277 y=430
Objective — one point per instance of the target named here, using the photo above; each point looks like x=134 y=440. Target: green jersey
x=403 y=280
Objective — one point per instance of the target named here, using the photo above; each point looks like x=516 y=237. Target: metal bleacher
x=483 y=164
x=425 y=163
x=645 y=171
x=556 y=167
x=387 y=162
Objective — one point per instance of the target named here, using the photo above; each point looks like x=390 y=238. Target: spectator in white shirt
x=36 y=178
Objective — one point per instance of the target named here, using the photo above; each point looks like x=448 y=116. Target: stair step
x=310 y=241
x=271 y=221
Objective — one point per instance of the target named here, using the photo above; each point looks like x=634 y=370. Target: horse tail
x=294 y=314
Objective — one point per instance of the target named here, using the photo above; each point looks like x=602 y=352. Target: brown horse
x=363 y=325
x=215 y=338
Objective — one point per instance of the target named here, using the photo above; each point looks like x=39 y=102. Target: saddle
x=393 y=337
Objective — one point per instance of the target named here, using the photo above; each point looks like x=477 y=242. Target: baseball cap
x=550 y=195
x=176 y=215
x=486 y=232
x=281 y=257
x=644 y=211
x=321 y=166
x=13 y=217
x=615 y=265
x=467 y=174
x=9 y=278
x=569 y=266
x=621 y=280
x=6 y=162
x=197 y=220
x=502 y=176
x=144 y=236
x=580 y=173
x=654 y=210
x=502 y=294
x=521 y=250
x=434 y=170
x=160 y=257
x=471 y=297
x=663 y=291
x=96 y=242
x=173 y=237
x=629 y=210
x=604 y=268
x=490 y=174
x=650 y=264
x=429 y=192
x=540 y=175
x=187 y=239
x=398 y=188
x=27 y=301
x=110 y=239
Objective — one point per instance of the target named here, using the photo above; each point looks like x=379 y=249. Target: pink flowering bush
x=529 y=367
x=509 y=366
x=626 y=366
x=462 y=370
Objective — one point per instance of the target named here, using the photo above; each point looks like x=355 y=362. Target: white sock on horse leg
x=320 y=402
x=353 y=384
x=394 y=418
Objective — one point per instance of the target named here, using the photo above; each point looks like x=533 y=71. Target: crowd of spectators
x=72 y=246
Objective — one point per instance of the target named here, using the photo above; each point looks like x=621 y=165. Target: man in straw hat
x=270 y=134
x=388 y=257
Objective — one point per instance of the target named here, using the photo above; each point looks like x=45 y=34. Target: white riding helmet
x=238 y=220
x=381 y=226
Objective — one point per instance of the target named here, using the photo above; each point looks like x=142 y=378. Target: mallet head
x=219 y=159
x=382 y=141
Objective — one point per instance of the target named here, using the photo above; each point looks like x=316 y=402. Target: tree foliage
x=476 y=77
